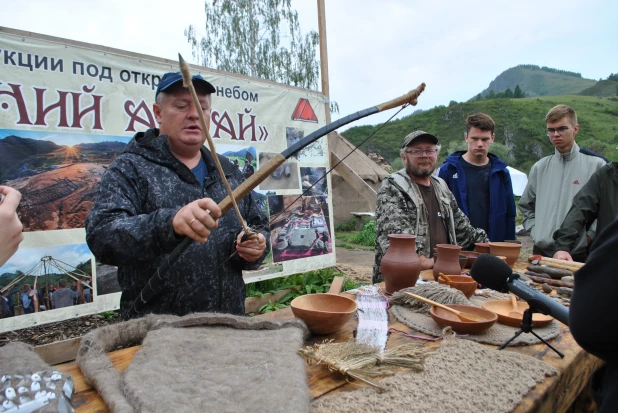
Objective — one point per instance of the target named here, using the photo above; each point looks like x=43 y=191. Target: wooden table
x=555 y=394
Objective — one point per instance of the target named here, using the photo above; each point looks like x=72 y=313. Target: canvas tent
x=519 y=180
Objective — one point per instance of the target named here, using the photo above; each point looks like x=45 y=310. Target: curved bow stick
x=186 y=81
x=156 y=283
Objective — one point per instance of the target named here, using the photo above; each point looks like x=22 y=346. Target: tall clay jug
x=447 y=261
x=400 y=265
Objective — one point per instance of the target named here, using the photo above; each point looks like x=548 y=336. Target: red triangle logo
x=576 y=182
x=304 y=112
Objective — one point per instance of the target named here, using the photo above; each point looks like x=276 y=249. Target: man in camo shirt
x=413 y=201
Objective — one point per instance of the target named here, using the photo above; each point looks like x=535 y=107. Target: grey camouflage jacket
x=130 y=226
x=397 y=212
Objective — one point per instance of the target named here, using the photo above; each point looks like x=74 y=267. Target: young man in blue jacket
x=480 y=181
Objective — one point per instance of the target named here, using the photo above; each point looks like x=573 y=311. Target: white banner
x=67 y=109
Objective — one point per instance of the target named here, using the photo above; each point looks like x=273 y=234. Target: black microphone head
x=491 y=272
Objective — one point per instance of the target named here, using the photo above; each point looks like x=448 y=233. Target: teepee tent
x=519 y=180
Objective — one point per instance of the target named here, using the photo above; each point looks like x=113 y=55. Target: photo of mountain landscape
x=55 y=173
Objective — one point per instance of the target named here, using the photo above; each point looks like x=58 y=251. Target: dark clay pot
x=400 y=265
x=448 y=260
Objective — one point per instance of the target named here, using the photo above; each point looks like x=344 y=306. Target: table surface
x=554 y=394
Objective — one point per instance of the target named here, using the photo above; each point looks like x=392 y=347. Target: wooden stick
x=186 y=80
x=547 y=261
x=548 y=281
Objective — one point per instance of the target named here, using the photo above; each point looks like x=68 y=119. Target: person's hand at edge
x=11 y=234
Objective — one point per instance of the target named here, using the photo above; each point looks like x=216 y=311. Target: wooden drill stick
x=186 y=80
x=562 y=263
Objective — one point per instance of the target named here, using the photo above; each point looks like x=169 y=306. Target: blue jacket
x=502 y=210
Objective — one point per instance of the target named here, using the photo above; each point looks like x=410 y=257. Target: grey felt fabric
x=201 y=362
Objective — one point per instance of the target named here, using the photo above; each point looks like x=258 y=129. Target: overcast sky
x=377 y=50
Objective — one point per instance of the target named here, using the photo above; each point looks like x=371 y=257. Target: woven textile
x=198 y=363
x=372 y=316
x=460 y=377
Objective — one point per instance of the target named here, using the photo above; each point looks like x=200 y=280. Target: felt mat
x=198 y=363
x=496 y=335
x=415 y=314
x=478 y=379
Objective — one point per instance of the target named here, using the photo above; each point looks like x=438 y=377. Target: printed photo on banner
x=244 y=157
x=299 y=226
x=316 y=152
x=313 y=181
x=46 y=278
x=284 y=177
x=56 y=173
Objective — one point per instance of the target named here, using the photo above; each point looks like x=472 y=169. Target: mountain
x=102 y=146
x=241 y=152
x=539 y=81
x=602 y=88
x=520 y=128
x=14 y=149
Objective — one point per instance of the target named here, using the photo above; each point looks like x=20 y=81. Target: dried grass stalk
x=363 y=362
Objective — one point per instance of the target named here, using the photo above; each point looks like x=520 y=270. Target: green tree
x=518 y=93
x=243 y=36
x=491 y=94
x=508 y=93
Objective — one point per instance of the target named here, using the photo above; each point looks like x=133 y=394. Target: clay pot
x=472 y=256
x=482 y=247
x=447 y=261
x=400 y=265
x=508 y=249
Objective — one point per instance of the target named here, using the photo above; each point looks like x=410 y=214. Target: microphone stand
x=526 y=327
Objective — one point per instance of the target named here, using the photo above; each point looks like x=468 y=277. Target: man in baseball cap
x=413 y=201
x=175 y=79
x=165 y=187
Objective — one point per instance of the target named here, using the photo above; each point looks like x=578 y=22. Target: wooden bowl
x=323 y=313
x=482 y=247
x=463 y=283
x=471 y=257
x=443 y=318
x=508 y=249
x=502 y=308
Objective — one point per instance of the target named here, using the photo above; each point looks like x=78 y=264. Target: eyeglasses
x=420 y=152
x=560 y=130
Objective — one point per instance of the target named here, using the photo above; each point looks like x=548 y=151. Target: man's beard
x=420 y=172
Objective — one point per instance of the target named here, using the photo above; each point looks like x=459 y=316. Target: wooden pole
x=323 y=56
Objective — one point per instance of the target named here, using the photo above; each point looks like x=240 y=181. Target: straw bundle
x=363 y=362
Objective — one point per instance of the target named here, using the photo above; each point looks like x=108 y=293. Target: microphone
x=492 y=272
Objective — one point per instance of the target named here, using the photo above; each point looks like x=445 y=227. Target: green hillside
x=520 y=128
x=602 y=88
x=536 y=81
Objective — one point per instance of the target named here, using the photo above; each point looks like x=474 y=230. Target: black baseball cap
x=418 y=134
x=171 y=78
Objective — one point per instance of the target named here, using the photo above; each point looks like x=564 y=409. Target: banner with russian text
x=68 y=109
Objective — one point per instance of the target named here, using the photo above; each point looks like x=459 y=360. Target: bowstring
x=272 y=218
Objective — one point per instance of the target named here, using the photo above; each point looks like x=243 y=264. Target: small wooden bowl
x=482 y=247
x=444 y=318
x=323 y=313
x=502 y=308
x=462 y=283
x=471 y=257
x=508 y=249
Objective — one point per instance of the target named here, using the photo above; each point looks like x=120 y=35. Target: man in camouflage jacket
x=400 y=207
x=165 y=187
